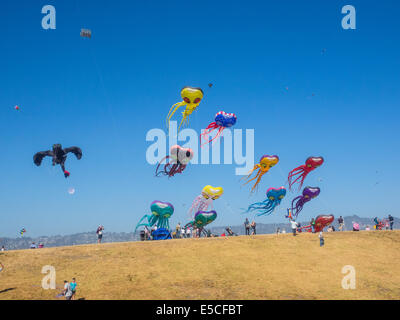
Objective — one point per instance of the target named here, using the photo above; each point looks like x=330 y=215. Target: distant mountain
x=91 y=237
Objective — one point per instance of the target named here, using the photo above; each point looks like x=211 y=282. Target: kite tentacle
x=260 y=174
x=251 y=172
x=159 y=164
x=172 y=111
x=143 y=224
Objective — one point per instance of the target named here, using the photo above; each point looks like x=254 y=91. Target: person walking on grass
x=294 y=226
x=67 y=292
x=73 y=285
x=321 y=239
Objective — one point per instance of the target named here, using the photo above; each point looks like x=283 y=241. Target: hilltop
x=91 y=237
x=252 y=267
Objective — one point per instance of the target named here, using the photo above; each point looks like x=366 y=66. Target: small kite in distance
x=17 y=108
x=86 y=33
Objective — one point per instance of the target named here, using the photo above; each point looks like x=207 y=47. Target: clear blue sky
x=103 y=94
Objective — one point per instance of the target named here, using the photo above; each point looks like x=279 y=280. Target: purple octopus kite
x=298 y=202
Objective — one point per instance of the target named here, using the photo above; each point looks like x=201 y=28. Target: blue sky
x=104 y=94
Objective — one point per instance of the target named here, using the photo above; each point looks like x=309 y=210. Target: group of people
x=33 y=245
x=384 y=224
x=181 y=232
x=248 y=226
x=69 y=290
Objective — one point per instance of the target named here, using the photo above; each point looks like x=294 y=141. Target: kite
x=266 y=163
x=201 y=219
x=205 y=199
x=58 y=155
x=22 y=231
x=86 y=33
x=176 y=162
x=17 y=108
x=298 y=202
x=222 y=120
x=301 y=172
x=266 y=207
x=160 y=214
x=191 y=100
x=323 y=221
x=210 y=85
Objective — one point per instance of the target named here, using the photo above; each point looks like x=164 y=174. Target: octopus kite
x=298 y=202
x=160 y=214
x=205 y=199
x=301 y=172
x=222 y=120
x=176 y=162
x=323 y=221
x=201 y=219
x=266 y=163
x=266 y=207
x=191 y=100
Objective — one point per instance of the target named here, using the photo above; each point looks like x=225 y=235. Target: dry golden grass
x=255 y=267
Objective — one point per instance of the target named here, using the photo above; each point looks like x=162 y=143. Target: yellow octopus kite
x=266 y=163
x=191 y=99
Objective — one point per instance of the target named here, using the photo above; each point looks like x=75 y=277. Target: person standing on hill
x=376 y=221
x=294 y=226
x=99 y=233
x=341 y=223
x=247 y=226
x=147 y=234
x=73 y=285
x=312 y=223
x=391 y=220
x=253 y=226
x=178 y=230
x=183 y=234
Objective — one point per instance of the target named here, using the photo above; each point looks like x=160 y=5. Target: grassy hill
x=255 y=267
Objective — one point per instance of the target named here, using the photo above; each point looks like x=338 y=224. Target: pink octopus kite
x=301 y=172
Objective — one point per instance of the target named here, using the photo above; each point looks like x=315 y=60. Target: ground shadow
x=5 y=290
